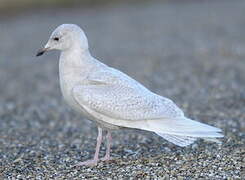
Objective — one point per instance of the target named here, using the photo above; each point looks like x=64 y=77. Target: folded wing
x=123 y=98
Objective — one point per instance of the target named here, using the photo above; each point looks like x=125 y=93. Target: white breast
x=70 y=74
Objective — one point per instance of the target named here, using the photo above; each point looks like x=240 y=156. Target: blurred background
x=7 y=6
x=192 y=51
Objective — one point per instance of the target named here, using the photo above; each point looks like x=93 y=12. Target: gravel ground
x=193 y=53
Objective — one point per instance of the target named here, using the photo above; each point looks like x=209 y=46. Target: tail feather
x=183 y=141
x=183 y=131
x=178 y=140
x=183 y=126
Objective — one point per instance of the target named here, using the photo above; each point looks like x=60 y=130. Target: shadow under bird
x=113 y=99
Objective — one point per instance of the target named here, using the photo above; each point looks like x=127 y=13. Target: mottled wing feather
x=119 y=97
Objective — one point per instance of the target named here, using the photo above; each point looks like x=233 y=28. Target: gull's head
x=66 y=37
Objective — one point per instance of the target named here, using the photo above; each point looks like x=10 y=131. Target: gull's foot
x=92 y=162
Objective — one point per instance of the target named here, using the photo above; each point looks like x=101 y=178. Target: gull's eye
x=56 y=39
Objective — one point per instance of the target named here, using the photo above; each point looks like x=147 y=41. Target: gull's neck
x=75 y=60
x=75 y=57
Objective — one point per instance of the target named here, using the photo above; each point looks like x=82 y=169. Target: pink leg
x=95 y=160
x=108 y=148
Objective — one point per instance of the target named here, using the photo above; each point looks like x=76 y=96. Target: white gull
x=113 y=99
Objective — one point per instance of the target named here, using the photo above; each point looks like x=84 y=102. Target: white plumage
x=115 y=100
